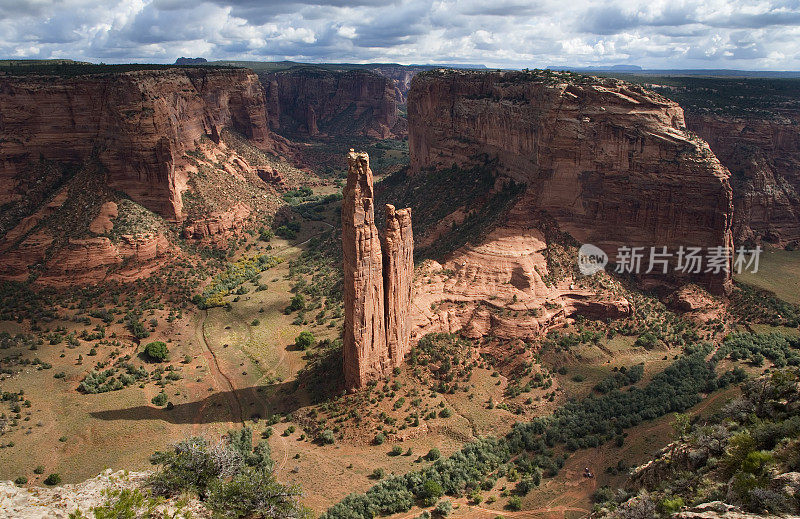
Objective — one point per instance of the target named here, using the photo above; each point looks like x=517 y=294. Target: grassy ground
x=239 y=364
x=779 y=272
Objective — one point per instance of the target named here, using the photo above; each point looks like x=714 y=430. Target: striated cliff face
x=762 y=153
x=377 y=284
x=310 y=101
x=138 y=124
x=402 y=76
x=609 y=161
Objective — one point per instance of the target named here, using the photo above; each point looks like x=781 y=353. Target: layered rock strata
x=310 y=101
x=139 y=124
x=762 y=151
x=377 y=281
x=611 y=162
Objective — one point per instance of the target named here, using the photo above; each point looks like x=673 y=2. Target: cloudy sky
x=516 y=33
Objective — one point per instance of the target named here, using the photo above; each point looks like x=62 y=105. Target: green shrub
x=327 y=437
x=21 y=480
x=157 y=351
x=304 y=341
x=443 y=508
x=194 y=465
x=160 y=399
x=53 y=479
x=298 y=302
x=431 y=491
x=137 y=329
x=433 y=454
x=670 y=505
x=254 y=493
x=514 y=503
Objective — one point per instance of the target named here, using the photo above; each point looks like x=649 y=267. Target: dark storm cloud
x=612 y=19
x=506 y=9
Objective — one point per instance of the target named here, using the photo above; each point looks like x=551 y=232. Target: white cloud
x=651 y=33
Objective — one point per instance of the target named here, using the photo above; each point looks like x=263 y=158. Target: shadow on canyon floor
x=224 y=406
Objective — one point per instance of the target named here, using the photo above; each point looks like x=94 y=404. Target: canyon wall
x=139 y=124
x=402 y=76
x=311 y=101
x=762 y=152
x=377 y=283
x=611 y=162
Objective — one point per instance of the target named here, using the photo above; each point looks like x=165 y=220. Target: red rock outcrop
x=763 y=154
x=218 y=224
x=502 y=286
x=377 y=283
x=398 y=274
x=611 y=162
x=318 y=102
x=139 y=124
x=271 y=176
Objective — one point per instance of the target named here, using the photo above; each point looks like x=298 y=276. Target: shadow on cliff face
x=224 y=406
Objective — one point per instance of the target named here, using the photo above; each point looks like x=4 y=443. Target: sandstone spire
x=398 y=273
x=365 y=352
x=377 y=284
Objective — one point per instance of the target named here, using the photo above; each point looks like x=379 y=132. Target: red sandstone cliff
x=316 y=102
x=762 y=151
x=71 y=147
x=138 y=123
x=377 y=282
x=610 y=161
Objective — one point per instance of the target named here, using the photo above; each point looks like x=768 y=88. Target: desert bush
x=255 y=493
x=53 y=479
x=433 y=454
x=431 y=492
x=327 y=437
x=443 y=508
x=305 y=340
x=157 y=351
x=192 y=465
x=160 y=399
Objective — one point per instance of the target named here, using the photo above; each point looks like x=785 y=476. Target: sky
x=734 y=34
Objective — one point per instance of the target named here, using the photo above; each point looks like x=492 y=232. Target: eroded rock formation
x=377 y=283
x=317 y=102
x=762 y=151
x=398 y=271
x=139 y=124
x=611 y=162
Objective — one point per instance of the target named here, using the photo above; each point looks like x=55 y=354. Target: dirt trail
x=218 y=374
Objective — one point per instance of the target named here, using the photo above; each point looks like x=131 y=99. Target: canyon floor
x=239 y=372
x=239 y=364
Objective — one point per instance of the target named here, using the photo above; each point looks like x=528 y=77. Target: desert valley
x=277 y=289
